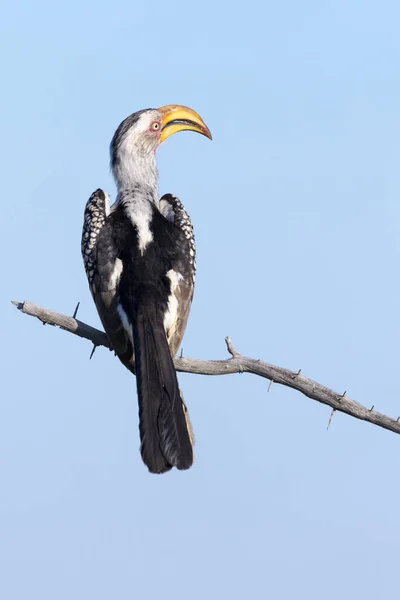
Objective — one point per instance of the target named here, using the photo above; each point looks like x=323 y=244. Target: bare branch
x=236 y=364
x=49 y=317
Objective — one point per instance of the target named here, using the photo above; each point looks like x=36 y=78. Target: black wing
x=103 y=270
x=183 y=270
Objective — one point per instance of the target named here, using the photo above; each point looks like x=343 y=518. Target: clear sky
x=297 y=217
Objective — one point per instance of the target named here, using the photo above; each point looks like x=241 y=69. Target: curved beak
x=181 y=118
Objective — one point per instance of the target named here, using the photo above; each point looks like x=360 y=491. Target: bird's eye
x=155 y=126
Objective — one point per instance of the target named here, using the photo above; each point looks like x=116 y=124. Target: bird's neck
x=136 y=177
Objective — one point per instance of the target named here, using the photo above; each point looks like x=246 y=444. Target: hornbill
x=140 y=260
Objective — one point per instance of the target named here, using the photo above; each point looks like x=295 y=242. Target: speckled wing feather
x=103 y=270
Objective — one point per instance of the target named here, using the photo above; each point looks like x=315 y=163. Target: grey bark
x=236 y=364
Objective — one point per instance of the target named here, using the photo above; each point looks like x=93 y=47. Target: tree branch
x=236 y=364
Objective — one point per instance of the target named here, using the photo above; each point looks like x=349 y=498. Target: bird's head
x=139 y=135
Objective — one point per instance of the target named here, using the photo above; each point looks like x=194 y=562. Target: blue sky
x=296 y=211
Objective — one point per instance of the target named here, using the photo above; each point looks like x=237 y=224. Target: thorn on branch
x=93 y=351
x=330 y=418
x=269 y=387
x=76 y=311
x=230 y=348
x=372 y=408
x=181 y=352
x=296 y=374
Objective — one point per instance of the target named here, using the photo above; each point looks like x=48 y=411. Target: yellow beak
x=181 y=118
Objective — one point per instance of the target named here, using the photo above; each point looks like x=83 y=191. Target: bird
x=139 y=256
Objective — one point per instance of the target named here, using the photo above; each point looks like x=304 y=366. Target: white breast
x=141 y=220
x=140 y=213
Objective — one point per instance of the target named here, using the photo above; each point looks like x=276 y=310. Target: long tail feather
x=165 y=432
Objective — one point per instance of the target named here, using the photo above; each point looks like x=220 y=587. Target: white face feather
x=139 y=138
x=136 y=160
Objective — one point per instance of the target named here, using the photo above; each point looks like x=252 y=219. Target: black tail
x=165 y=430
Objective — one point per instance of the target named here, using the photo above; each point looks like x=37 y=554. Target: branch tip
x=19 y=305
x=230 y=347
